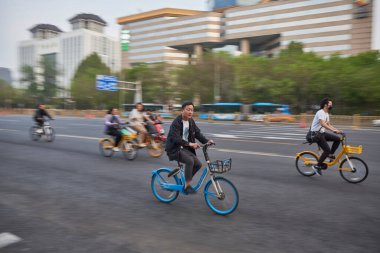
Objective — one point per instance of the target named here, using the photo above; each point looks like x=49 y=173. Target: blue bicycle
x=220 y=194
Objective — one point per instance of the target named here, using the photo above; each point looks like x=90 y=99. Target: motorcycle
x=156 y=140
x=160 y=131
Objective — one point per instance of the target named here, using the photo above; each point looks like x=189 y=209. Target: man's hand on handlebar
x=210 y=142
x=194 y=145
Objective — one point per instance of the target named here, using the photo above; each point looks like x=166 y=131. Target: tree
x=29 y=77
x=49 y=76
x=156 y=80
x=209 y=78
x=83 y=89
x=47 y=88
x=7 y=93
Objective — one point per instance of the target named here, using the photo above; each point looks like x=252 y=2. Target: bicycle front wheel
x=164 y=195
x=223 y=197
x=50 y=134
x=34 y=136
x=355 y=174
x=304 y=163
x=129 y=151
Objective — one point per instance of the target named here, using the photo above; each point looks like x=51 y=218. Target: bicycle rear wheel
x=155 y=148
x=228 y=198
x=34 y=136
x=304 y=163
x=356 y=174
x=106 y=147
x=164 y=195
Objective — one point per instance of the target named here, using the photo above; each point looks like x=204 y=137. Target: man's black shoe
x=317 y=170
x=173 y=172
x=190 y=190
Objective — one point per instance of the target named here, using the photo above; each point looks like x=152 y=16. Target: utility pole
x=135 y=86
x=216 y=82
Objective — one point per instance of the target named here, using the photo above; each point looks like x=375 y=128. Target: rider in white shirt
x=136 y=119
x=321 y=122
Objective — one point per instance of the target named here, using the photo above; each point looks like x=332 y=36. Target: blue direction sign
x=106 y=83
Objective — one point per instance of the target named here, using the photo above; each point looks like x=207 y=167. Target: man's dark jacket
x=174 y=141
x=40 y=113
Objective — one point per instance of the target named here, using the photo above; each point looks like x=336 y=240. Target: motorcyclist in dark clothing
x=39 y=115
x=150 y=119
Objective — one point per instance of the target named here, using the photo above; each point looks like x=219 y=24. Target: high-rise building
x=5 y=74
x=264 y=27
x=68 y=49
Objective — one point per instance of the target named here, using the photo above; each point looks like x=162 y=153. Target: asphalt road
x=65 y=197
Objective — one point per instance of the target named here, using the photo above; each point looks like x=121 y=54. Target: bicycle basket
x=354 y=150
x=127 y=131
x=220 y=166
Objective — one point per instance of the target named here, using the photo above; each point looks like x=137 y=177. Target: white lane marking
x=282 y=138
x=93 y=125
x=7 y=239
x=10 y=130
x=258 y=132
x=267 y=142
x=257 y=136
x=282 y=130
x=252 y=153
x=224 y=136
x=10 y=120
x=78 y=137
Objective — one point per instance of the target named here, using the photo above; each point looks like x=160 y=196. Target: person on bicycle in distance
x=321 y=122
x=112 y=122
x=181 y=145
x=39 y=115
x=136 y=119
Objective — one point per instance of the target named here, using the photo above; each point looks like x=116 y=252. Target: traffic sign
x=108 y=83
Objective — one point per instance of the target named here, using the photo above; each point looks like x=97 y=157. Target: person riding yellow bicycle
x=321 y=122
x=136 y=119
x=112 y=122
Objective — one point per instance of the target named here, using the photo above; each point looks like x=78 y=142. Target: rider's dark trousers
x=324 y=138
x=151 y=128
x=40 y=122
x=116 y=133
x=192 y=163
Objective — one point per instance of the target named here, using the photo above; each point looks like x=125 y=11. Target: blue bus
x=221 y=111
x=264 y=108
x=277 y=112
x=160 y=109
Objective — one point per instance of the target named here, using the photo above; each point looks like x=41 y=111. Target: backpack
x=313 y=136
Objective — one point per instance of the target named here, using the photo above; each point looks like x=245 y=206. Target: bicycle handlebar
x=204 y=149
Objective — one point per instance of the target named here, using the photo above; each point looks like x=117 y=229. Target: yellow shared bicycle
x=127 y=144
x=351 y=168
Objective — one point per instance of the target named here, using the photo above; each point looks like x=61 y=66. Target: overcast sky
x=18 y=16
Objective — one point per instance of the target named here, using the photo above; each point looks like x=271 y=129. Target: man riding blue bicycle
x=181 y=145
